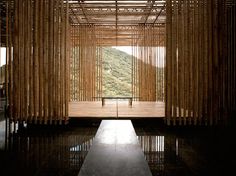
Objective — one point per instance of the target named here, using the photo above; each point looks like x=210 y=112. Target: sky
x=3 y=56
x=126 y=49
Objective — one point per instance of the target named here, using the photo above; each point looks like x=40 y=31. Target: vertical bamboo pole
x=180 y=63
x=9 y=100
x=185 y=58
x=21 y=60
x=7 y=31
x=50 y=60
x=195 y=62
x=168 y=60
x=26 y=58
x=200 y=62
x=62 y=59
x=30 y=55
x=174 y=62
x=35 y=61
x=190 y=66
x=56 y=61
x=205 y=62
x=40 y=60
x=46 y=60
x=210 y=58
x=67 y=63
x=15 y=64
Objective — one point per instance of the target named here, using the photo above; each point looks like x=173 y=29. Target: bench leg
x=130 y=102
x=103 y=102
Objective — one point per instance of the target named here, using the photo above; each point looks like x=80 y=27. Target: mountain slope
x=117 y=68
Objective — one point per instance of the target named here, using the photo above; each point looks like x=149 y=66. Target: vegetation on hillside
x=117 y=74
x=117 y=68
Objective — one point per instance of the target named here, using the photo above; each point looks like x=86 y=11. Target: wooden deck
x=116 y=109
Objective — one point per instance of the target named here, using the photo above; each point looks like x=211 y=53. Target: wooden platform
x=116 y=109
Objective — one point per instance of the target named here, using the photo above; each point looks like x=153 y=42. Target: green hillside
x=117 y=68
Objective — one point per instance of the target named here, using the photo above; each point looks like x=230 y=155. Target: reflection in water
x=48 y=151
x=162 y=152
x=153 y=147
x=152 y=143
x=177 y=146
x=85 y=146
x=61 y=151
x=2 y=134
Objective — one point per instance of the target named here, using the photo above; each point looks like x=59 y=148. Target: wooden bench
x=117 y=98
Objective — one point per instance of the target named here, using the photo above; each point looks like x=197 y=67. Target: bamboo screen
x=38 y=60
x=199 y=80
x=86 y=64
x=148 y=63
x=200 y=62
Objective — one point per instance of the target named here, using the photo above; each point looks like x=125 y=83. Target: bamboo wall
x=199 y=81
x=200 y=44
x=38 y=60
x=148 y=63
x=86 y=64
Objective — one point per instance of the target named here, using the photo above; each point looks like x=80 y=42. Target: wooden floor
x=116 y=109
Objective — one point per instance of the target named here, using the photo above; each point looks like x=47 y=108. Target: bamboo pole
x=190 y=75
x=30 y=55
x=180 y=63
x=195 y=63
x=210 y=58
x=46 y=61
x=174 y=62
x=168 y=112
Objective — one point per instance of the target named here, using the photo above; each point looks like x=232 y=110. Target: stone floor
x=169 y=151
x=115 y=151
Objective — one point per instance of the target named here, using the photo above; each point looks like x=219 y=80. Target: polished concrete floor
x=115 y=151
x=169 y=151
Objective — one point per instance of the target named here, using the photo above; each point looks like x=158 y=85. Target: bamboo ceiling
x=117 y=19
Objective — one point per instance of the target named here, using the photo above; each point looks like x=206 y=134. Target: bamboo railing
x=200 y=44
